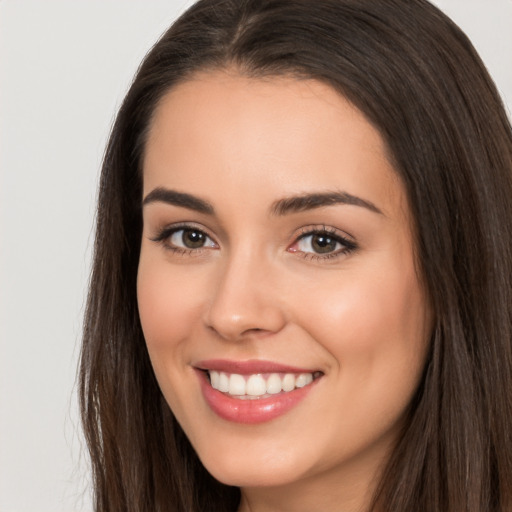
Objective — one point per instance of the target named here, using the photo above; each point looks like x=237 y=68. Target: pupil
x=323 y=244
x=193 y=239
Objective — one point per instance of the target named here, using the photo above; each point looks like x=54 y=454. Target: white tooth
x=223 y=383
x=236 y=384
x=274 y=384
x=256 y=385
x=289 y=382
x=303 y=380
x=214 y=379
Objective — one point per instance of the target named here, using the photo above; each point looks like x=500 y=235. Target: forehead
x=224 y=132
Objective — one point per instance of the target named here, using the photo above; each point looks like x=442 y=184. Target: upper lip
x=249 y=367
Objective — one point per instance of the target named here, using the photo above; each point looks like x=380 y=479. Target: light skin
x=236 y=267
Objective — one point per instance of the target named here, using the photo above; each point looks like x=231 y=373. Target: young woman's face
x=278 y=294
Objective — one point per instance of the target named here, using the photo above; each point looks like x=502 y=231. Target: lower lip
x=251 y=411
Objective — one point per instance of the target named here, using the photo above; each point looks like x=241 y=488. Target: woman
x=301 y=293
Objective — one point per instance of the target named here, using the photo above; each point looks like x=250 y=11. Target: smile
x=258 y=386
x=251 y=392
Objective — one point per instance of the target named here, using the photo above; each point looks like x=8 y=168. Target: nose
x=245 y=300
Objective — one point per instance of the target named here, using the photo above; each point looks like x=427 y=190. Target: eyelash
x=348 y=246
x=165 y=235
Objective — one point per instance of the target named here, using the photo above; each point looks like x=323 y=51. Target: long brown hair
x=418 y=79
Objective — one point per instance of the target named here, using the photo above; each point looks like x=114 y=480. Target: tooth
x=303 y=379
x=214 y=379
x=273 y=384
x=223 y=382
x=236 y=384
x=289 y=382
x=256 y=385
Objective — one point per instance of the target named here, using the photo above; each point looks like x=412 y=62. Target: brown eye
x=190 y=238
x=321 y=243
x=193 y=239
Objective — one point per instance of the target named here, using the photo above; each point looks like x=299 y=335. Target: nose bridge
x=244 y=299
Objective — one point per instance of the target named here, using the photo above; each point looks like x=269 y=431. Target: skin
x=258 y=289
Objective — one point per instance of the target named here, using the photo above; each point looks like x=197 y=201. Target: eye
x=190 y=238
x=322 y=244
x=184 y=239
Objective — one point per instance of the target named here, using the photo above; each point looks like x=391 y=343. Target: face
x=277 y=288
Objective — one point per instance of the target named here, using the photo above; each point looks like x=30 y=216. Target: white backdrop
x=64 y=67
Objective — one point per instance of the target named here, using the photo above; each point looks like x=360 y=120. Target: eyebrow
x=165 y=195
x=280 y=207
x=318 y=200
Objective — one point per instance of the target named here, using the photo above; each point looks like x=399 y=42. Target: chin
x=249 y=474
x=246 y=464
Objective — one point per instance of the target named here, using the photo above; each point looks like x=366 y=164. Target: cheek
x=168 y=305
x=169 y=310
x=375 y=325
x=376 y=332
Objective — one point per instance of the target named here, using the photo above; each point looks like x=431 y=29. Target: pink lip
x=248 y=367
x=250 y=411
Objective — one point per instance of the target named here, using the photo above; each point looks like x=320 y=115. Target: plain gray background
x=64 y=68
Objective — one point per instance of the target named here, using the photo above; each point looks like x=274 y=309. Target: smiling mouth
x=259 y=385
x=254 y=391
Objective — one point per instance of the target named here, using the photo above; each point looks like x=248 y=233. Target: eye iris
x=193 y=239
x=323 y=244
